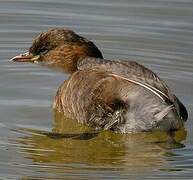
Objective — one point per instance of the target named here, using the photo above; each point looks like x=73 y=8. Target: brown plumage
x=123 y=96
x=60 y=48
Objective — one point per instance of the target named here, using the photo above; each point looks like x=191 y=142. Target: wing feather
x=132 y=71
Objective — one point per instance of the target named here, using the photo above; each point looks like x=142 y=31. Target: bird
x=117 y=95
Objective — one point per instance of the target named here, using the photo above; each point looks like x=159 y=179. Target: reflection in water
x=157 y=34
x=72 y=145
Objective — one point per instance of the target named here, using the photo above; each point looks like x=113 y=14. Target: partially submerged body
x=107 y=98
x=122 y=96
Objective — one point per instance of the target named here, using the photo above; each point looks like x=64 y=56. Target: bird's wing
x=132 y=71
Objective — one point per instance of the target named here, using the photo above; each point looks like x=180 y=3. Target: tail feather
x=159 y=116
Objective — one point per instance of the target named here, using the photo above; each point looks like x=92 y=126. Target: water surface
x=158 y=34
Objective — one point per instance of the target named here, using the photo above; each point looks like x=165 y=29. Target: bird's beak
x=25 y=57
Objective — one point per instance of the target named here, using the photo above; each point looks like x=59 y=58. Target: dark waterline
x=157 y=34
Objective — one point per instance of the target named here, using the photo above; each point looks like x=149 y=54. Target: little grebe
x=122 y=96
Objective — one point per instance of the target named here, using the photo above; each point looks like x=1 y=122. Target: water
x=158 y=34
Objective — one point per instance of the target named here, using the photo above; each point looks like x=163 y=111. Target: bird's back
x=107 y=100
x=130 y=70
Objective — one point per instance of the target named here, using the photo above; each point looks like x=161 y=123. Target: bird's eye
x=43 y=50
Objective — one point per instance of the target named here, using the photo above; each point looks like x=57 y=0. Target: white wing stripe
x=150 y=88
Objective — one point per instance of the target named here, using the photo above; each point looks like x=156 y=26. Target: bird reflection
x=74 y=143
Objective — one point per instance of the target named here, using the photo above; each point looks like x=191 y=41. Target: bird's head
x=59 y=47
